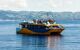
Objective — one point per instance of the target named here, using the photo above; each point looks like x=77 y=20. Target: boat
x=40 y=27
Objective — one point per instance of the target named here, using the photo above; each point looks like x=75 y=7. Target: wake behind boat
x=40 y=27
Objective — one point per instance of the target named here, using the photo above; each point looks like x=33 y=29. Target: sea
x=68 y=40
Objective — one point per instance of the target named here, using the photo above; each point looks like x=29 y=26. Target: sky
x=41 y=5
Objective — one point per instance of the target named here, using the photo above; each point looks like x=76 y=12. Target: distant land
x=29 y=15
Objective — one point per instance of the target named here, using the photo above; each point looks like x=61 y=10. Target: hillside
x=28 y=15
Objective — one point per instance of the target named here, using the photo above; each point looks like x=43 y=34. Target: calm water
x=9 y=40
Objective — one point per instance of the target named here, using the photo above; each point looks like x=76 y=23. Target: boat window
x=55 y=26
x=23 y=26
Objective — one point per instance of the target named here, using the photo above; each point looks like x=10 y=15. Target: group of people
x=37 y=21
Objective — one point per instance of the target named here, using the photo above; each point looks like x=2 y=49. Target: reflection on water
x=53 y=41
x=9 y=40
x=40 y=42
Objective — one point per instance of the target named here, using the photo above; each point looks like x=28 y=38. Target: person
x=51 y=21
x=34 y=20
